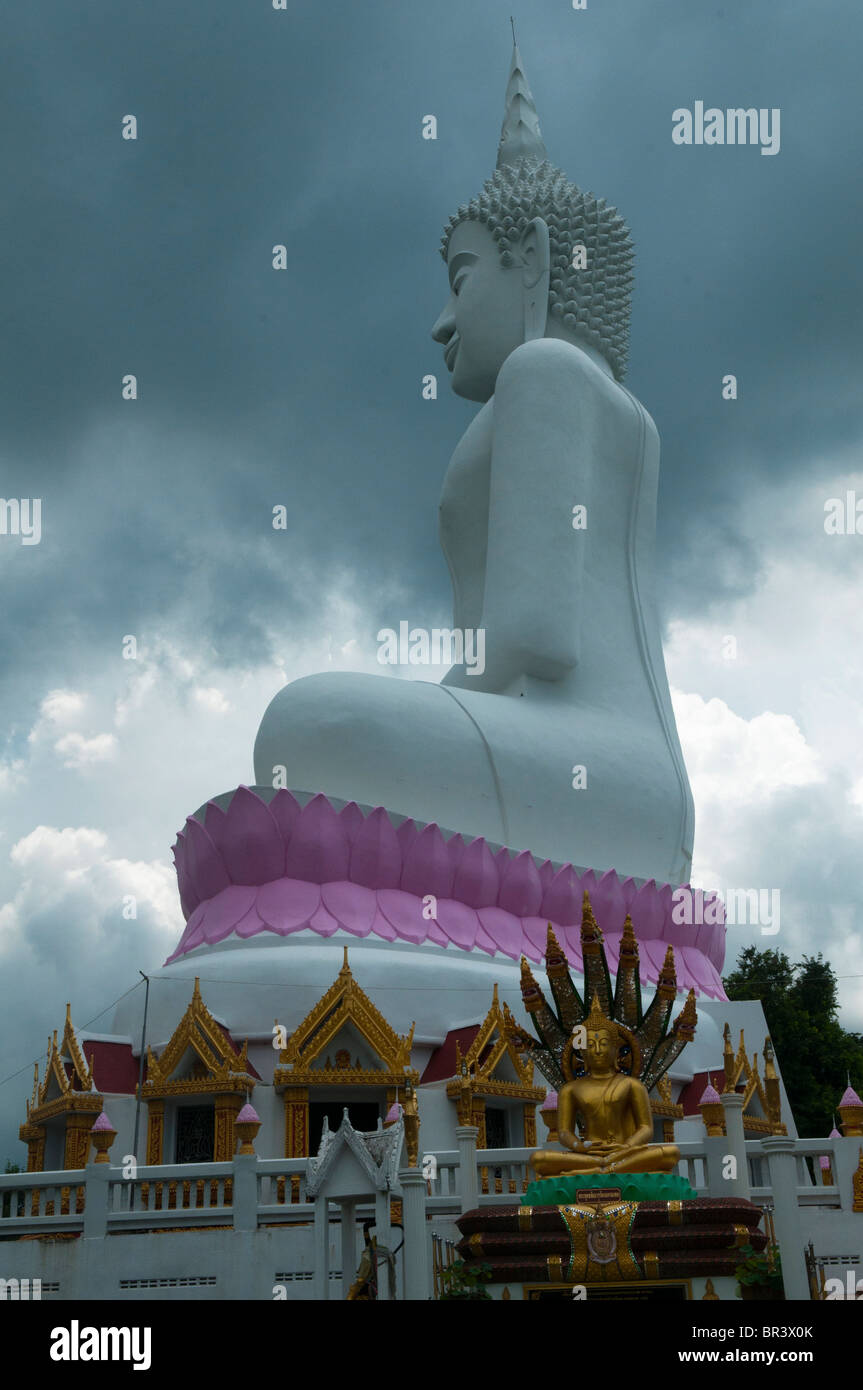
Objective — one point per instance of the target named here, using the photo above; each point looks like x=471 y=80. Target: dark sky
x=258 y=127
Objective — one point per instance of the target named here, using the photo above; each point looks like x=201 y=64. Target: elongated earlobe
x=535 y=256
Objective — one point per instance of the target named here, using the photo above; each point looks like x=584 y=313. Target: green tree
x=814 y=1051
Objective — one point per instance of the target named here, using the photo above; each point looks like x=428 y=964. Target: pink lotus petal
x=504 y=929
x=455 y=848
x=535 y=937
x=318 y=849
x=589 y=881
x=427 y=868
x=287 y=904
x=252 y=924
x=352 y=905
x=609 y=905
x=284 y=810
x=695 y=967
x=547 y=873
x=520 y=887
x=185 y=887
x=612 y=951
x=406 y=834
x=229 y=908
x=436 y=935
x=648 y=913
x=381 y=927
x=351 y=818
x=323 y=922
x=484 y=942
x=405 y=912
x=206 y=870
x=561 y=902
x=458 y=921
x=652 y=958
x=214 y=823
x=570 y=940
x=194 y=933
x=630 y=888
x=216 y=929
x=375 y=859
x=252 y=847
x=476 y=880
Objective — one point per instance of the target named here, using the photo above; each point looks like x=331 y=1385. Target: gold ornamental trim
x=344 y=1002
x=766 y=1092
x=222 y=1071
x=600 y=1250
x=525 y=1219
x=675 y=1213
x=341 y=1076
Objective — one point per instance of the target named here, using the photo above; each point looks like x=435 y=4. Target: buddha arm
x=566 y=1120
x=641 y=1113
x=540 y=469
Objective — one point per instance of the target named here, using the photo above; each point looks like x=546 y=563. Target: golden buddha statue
x=614 y=1110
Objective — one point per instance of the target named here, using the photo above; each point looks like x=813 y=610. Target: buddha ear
x=535 y=256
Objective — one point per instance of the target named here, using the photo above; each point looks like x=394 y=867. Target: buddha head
x=602 y=1043
x=531 y=257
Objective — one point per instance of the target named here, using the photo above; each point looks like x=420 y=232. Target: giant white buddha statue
x=565 y=744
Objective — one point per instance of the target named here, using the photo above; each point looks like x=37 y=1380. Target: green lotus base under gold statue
x=634 y=1187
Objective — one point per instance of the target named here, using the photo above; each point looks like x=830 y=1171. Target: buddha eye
x=458 y=282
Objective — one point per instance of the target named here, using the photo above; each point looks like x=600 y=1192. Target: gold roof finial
x=629 y=942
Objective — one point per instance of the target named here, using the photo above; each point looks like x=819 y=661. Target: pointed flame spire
x=520 y=135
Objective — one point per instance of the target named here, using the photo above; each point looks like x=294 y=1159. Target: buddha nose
x=445 y=326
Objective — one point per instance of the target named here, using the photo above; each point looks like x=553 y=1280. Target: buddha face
x=600 y=1054
x=489 y=305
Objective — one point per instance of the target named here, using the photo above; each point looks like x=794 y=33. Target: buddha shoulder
x=552 y=376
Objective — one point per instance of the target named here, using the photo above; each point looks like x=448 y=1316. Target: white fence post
x=245 y=1197
x=416 y=1247
x=786 y=1213
x=468 y=1187
x=96 y=1200
x=321 y=1284
x=739 y=1186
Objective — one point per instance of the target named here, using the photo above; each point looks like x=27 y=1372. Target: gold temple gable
x=767 y=1093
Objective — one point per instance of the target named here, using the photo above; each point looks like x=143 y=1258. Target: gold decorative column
x=35 y=1138
x=77 y=1149
x=529 y=1126
x=155 y=1130
x=227 y=1108
x=296 y=1121
x=477 y=1118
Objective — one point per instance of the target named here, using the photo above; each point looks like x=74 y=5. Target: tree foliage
x=814 y=1051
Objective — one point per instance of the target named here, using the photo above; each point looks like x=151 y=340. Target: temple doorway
x=495 y=1128
x=195 y=1134
x=363 y=1115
